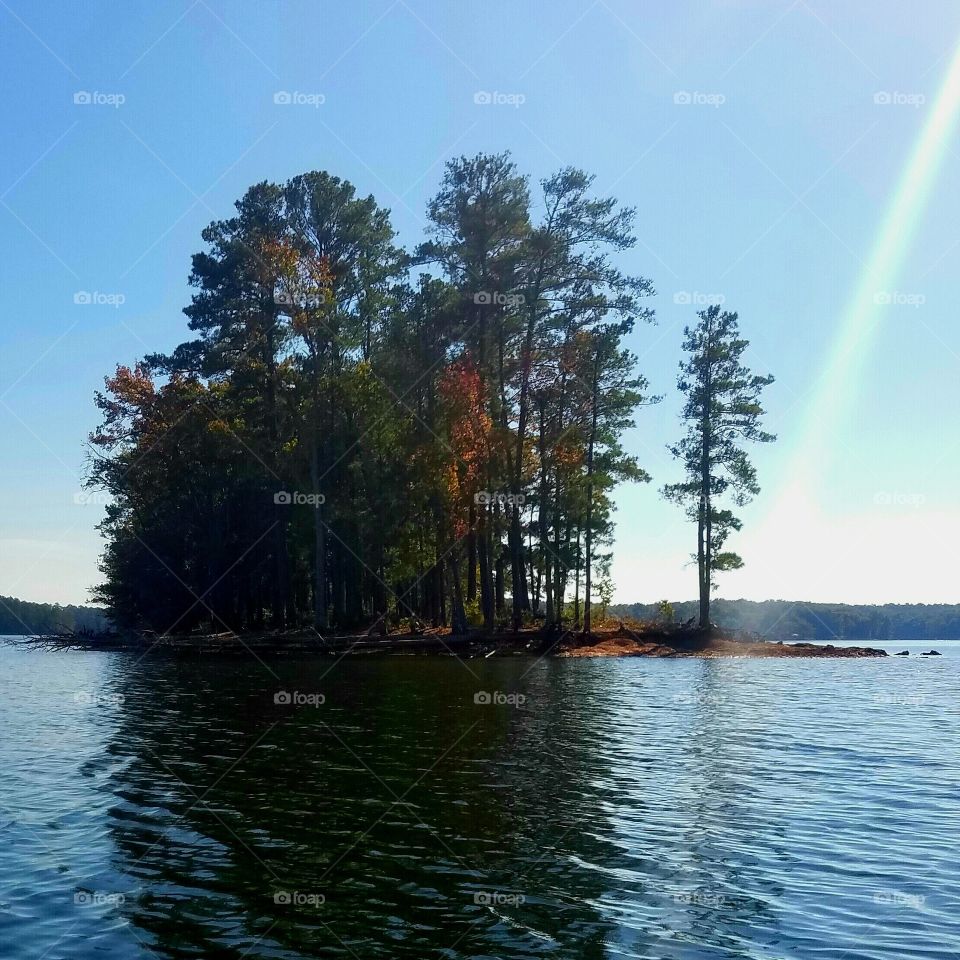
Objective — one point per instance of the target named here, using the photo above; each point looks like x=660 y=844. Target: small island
x=619 y=640
x=349 y=446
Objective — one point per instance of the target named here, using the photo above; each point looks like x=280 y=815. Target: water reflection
x=398 y=818
x=423 y=807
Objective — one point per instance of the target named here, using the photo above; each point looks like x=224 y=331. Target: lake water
x=151 y=808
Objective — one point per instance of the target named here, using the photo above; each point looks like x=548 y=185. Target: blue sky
x=761 y=141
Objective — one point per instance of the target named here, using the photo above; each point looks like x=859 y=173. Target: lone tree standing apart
x=722 y=411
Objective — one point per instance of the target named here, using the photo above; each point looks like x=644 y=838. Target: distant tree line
x=797 y=620
x=18 y=617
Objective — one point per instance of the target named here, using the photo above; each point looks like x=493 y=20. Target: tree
x=344 y=443
x=611 y=393
x=665 y=612
x=567 y=278
x=722 y=411
x=335 y=290
x=243 y=340
x=477 y=224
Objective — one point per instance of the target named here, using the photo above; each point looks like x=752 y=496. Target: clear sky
x=796 y=157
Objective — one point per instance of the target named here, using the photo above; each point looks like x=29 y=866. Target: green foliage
x=722 y=412
x=343 y=440
x=20 y=617
x=665 y=612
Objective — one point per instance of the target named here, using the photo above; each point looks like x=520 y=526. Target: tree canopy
x=357 y=435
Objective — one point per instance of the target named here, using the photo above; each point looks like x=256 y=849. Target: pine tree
x=722 y=411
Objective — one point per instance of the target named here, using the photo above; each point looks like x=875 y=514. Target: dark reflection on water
x=424 y=821
x=623 y=809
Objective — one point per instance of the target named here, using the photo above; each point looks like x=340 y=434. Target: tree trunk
x=576 y=582
x=521 y=598
x=458 y=616
x=544 y=524
x=704 y=546
x=485 y=551
x=588 y=558
x=501 y=603
x=559 y=576
x=472 y=556
x=701 y=569
x=319 y=546
x=532 y=572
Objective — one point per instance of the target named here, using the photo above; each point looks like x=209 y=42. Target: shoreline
x=715 y=644
x=646 y=640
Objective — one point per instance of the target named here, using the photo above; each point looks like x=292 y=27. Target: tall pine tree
x=722 y=412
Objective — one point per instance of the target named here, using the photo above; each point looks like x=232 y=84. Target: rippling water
x=607 y=808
